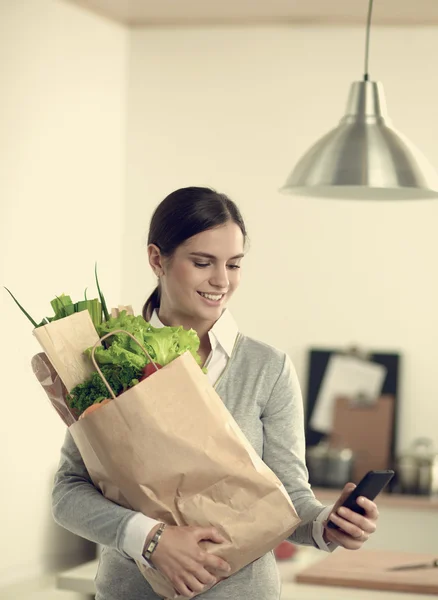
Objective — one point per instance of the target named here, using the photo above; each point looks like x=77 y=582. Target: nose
x=219 y=277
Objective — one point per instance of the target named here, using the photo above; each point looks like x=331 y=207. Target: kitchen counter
x=81 y=578
x=372 y=570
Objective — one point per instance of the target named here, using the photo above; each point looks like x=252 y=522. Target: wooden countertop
x=329 y=496
x=371 y=570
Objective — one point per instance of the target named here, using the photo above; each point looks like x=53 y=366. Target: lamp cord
x=367 y=40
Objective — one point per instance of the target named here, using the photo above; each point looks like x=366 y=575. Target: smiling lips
x=212 y=297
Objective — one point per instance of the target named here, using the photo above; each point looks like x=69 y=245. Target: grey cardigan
x=261 y=390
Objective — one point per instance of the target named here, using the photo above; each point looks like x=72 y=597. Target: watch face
x=153 y=543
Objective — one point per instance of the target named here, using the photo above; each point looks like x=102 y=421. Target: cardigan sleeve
x=77 y=505
x=284 y=452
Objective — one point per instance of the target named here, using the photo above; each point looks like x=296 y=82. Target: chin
x=211 y=312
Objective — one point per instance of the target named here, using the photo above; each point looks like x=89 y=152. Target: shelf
x=329 y=496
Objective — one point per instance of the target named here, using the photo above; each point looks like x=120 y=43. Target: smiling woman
x=196 y=244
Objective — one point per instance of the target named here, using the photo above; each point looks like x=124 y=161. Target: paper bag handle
x=102 y=376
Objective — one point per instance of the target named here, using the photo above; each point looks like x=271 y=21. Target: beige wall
x=234 y=108
x=62 y=176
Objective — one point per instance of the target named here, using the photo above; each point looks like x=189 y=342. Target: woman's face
x=201 y=276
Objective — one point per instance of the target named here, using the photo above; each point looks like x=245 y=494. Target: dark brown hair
x=183 y=214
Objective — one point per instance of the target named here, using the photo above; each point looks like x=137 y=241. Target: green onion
x=102 y=298
x=64 y=307
x=34 y=323
x=81 y=305
x=60 y=304
x=94 y=308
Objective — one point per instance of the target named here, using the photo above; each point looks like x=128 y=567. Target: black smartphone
x=369 y=486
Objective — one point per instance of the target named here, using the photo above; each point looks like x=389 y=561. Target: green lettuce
x=164 y=344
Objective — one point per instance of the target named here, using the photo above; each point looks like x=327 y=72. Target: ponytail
x=151 y=304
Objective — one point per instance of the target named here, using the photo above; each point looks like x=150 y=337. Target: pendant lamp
x=364 y=157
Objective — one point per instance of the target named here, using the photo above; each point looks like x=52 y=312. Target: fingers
x=214 y=564
x=344 y=518
x=348 y=488
x=344 y=540
x=204 y=577
x=208 y=533
x=355 y=531
x=180 y=558
x=364 y=522
x=194 y=584
x=370 y=507
x=182 y=588
x=199 y=580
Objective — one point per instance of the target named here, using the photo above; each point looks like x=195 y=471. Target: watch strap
x=151 y=547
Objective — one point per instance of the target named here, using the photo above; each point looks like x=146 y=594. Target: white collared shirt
x=222 y=338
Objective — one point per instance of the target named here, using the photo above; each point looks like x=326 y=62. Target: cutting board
x=367 y=430
x=368 y=569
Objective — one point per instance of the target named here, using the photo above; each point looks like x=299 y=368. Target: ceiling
x=143 y=13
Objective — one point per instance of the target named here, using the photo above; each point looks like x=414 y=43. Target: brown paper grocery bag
x=173 y=451
x=64 y=342
x=54 y=388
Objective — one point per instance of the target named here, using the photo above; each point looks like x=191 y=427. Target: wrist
x=326 y=538
x=152 y=540
x=150 y=535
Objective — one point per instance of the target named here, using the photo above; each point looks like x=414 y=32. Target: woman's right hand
x=179 y=557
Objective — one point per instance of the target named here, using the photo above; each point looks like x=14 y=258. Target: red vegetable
x=94 y=407
x=149 y=369
x=285 y=550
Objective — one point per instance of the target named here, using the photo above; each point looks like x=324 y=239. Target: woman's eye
x=200 y=265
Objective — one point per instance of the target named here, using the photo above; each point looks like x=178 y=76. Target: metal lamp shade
x=364 y=157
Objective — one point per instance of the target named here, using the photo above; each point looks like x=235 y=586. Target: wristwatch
x=151 y=547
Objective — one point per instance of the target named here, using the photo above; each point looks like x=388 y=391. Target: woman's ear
x=155 y=259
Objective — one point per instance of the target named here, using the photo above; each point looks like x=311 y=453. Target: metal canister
x=329 y=466
x=417 y=469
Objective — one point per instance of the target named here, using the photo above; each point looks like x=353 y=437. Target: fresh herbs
x=93 y=390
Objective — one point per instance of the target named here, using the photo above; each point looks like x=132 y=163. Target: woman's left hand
x=355 y=529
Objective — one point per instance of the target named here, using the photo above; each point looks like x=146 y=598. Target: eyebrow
x=206 y=255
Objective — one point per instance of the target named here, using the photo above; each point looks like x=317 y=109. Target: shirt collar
x=223 y=332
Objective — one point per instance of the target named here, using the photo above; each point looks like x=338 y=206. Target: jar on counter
x=329 y=466
x=417 y=469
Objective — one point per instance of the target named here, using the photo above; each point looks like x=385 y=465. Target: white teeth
x=214 y=297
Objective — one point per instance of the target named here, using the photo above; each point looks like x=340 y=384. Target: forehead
x=224 y=241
